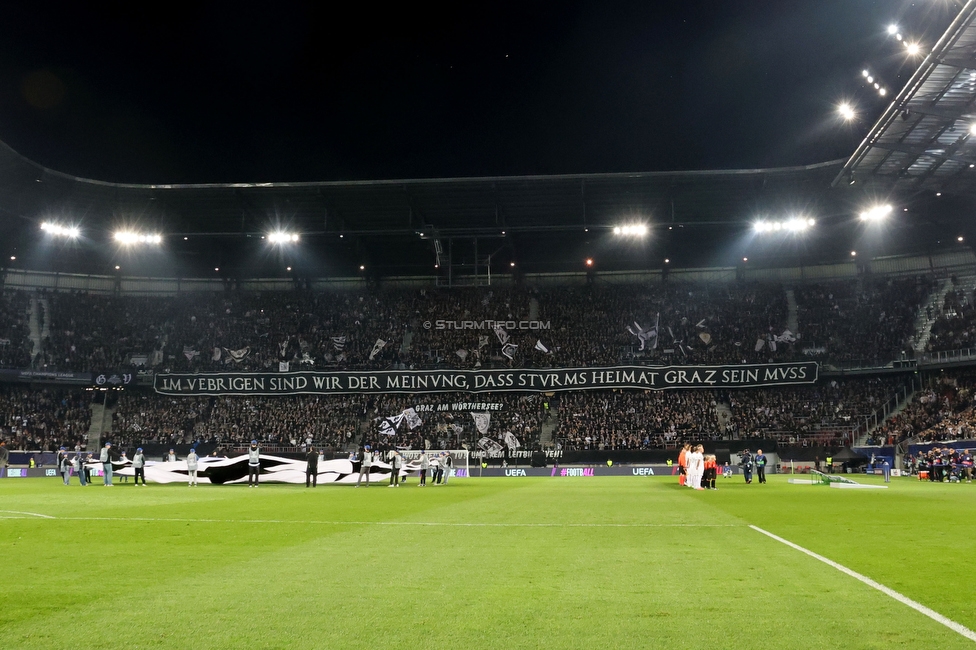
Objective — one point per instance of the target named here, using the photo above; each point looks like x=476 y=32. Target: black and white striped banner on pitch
x=477 y=381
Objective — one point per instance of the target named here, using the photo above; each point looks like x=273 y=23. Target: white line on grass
x=389 y=523
x=30 y=514
x=905 y=600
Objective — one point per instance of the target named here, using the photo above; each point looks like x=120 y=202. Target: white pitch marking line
x=31 y=514
x=393 y=523
x=905 y=600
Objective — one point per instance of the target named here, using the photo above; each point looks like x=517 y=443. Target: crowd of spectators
x=595 y=324
x=15 y=344
x=634 y=419
x=44 y=419
x=819 y=415
x=942 y=464
x=941 y=412
x=866 y=321
x=955 y=324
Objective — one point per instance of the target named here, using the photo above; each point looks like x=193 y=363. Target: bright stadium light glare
x=972 y=129
x=876 y=213
x=846 y=111
x=913 y=49
x=892 y=29
x=883 y=92
x=631 y=230
x=864 y=73
x=59 y=230
x=870 y=80
x=129 y=238
x=280 y=237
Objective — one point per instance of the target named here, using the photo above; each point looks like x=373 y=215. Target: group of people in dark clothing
x=942 y=464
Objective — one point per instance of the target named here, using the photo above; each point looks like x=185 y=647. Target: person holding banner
x=394 y=468
x=253 y=464
x=365 y=465
x=105 y=458
x=424 y=466
x=447 y=464
x=139 y=466
x=311 y=468
x=191 y=467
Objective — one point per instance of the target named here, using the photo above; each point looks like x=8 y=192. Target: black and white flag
x=511 y=441
x=501 y=334
x=509 y=350
x=388 y=426
x=482 y=342
x=190 y=353
x=540 y=347
x=339 y=343
x=377 y=347
x=489 y=445
x=237 y=355
x=283 y=348
x=413 y=420
x=647 y=337
x=481 y=421
x=283 y=366
x=216 y=355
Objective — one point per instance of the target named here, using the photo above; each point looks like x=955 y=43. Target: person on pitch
x=365 y=465
x=394 y=468
x=253 y=464
x=710 y=472
x=311 y=468
x=682 y=467
x=696 y=466
x=746 y=463
x=424 y=466
x=171 y=456
x=64 y=467
x=760 y=466
x=447 y=464
x=191 y=467
x=79 y=466
x=105 y=458
x=139 y=466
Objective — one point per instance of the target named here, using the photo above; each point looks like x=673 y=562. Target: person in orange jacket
x=682 y=467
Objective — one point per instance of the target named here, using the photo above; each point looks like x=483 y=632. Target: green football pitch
x=581 y=562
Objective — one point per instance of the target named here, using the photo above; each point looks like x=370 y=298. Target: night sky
x=212 y=92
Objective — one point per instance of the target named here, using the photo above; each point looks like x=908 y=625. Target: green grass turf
x=311 y=574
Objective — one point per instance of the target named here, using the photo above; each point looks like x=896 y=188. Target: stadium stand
x=869 y=322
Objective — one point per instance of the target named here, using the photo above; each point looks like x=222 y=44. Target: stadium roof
x=453 y=206
x=925 y=138
x=395 y=226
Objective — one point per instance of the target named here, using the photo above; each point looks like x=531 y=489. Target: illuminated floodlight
x=793 y=225
x=60 y=231
x=864 y=73
x=589 y=261
x=883 y=92
x=972 y=129
x=870 y=80
x=129 y=238
x=913 y=49
x=846 y=111
x=876 y=213
x=280 y=237
x=892 y=29
x=631 y=230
